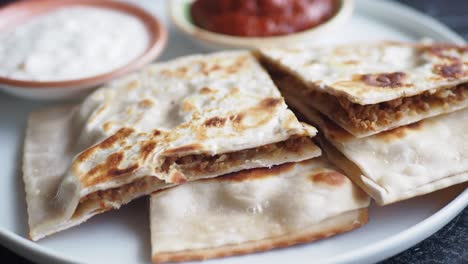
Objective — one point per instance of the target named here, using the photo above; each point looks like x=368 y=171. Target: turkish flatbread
x=254 y=210
x=369 y=88
x=402 y=163
x=194 y=117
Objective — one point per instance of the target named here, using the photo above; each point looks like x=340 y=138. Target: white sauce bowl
x=17 y=13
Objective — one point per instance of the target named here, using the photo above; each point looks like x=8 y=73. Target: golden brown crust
x=330 y=227
x=442 y=50
x=207 y=90
x=399 y=132
x=215 y=122
x=107 y=170
x=147 y=148
x=332 y=178
x=146 y=103
x=450 y=71
x=107 y=126
x=119 y=136
x=391 y=80
x=260 y=114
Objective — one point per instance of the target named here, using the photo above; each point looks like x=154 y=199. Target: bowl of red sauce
x=258 y=23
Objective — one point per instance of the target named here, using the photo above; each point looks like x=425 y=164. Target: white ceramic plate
x=123 y=236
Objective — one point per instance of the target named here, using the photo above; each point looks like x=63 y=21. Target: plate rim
x=378 y=251
x=401 y=241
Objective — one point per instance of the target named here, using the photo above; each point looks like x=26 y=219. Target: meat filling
x=191 y=164
x=370 y=117
x=202 y=163
x=366 y=117
x=102 y=200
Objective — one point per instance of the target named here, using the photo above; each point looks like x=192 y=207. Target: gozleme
x=254 y=210
x=194 y=117
x=369 y=88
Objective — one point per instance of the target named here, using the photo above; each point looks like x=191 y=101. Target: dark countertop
x=450 y=244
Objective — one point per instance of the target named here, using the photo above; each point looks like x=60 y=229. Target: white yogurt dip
x=71 y=43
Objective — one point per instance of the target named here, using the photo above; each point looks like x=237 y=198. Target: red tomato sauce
x=258 y=18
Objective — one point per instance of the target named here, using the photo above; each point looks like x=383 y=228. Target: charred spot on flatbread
x=108 y=143
x=331 y=178
x=215 y=122
x=391 y=80
x=450 y=71
x=107 y=169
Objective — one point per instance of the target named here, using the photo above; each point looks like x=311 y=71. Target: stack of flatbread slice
x=190 y=119
x=374 y=105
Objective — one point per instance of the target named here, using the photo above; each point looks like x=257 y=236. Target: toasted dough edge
x=341 y=223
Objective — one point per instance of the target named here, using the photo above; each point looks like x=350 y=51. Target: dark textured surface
x=450 y=244
x=447 y=246
x=453 y=13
